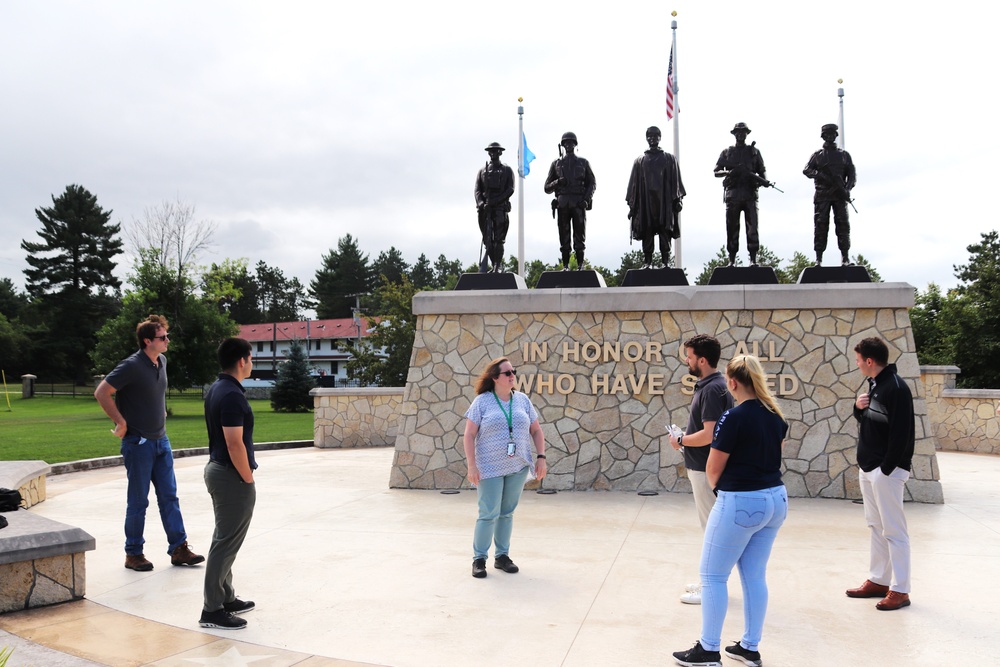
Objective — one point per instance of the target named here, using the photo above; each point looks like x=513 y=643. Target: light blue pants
x=740 y=531
x=498 y=498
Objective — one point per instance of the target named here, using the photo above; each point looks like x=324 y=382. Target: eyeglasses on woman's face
x=511 y=373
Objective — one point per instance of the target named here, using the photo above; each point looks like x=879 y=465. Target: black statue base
x=558 y=279
x=654 y=278
x=743 y=275
x=834 y=274
x=470 y=281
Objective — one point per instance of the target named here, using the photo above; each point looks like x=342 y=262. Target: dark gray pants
x=233 y=501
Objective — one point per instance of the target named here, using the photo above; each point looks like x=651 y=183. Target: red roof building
x=319 y=340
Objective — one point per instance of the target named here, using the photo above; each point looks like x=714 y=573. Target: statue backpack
x=10 y=500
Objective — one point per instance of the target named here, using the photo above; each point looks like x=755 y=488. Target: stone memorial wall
x=604 y=368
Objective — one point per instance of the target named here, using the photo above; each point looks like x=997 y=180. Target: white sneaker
x=691 y=598
x=693 y=588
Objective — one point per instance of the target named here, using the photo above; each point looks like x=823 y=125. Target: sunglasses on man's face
x=509 y=374
x=164 y=337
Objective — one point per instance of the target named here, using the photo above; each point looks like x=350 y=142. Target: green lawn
x=62 y=428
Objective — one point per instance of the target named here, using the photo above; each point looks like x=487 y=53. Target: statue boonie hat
x=494 y=146
x=740 y=127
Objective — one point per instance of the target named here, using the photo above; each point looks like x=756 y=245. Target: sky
x=291 y=124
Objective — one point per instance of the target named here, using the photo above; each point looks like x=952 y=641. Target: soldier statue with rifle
x=572 y=181
x=833 y=173
x=494 y=187
x=742 y=169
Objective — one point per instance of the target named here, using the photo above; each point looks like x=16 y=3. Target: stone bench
x=28 y=477
x=42 y=561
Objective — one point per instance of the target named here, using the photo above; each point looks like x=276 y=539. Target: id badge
x=510 y=448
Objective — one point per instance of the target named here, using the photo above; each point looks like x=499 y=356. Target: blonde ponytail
x=746 y=370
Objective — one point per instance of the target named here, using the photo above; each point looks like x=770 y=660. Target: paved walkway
x=346 y=571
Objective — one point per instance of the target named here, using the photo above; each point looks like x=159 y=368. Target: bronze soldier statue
x=833 y=173
x=573 y=183
x=654 y=199
x=742 y=169
x=494 y=187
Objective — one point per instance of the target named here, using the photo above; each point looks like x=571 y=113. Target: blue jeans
x=150 y=461
x=740 y=531
x=498 y=498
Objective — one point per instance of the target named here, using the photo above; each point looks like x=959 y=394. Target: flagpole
x=520 y=189
x=677 y=132
x=840 y=121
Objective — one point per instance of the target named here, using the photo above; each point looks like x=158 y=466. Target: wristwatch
x=680 y=440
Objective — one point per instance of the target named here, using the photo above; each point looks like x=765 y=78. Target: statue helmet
x=829 y=127
x=568 y=136
x=494 y=147
x=740 y=127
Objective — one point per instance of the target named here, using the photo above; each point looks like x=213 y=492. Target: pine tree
x=292 y=386
x=77 y=231
x=71 y=279
x=345 y=273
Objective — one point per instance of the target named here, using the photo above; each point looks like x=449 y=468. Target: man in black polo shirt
x=711 y=399
x=229 y=478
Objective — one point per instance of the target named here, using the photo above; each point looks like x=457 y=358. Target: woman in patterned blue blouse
x=502 y=424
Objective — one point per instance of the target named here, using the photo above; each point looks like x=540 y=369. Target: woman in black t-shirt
x=744 y=468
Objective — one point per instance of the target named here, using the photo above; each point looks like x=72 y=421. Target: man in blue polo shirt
x=229 y=478
x=711 y=399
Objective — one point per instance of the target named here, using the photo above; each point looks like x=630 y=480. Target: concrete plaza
x=346 y=571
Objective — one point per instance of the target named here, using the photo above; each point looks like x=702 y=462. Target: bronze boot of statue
x=845 y=260
x=753 y=259
x=732 y=259
x=819 y=259
x=579 y=260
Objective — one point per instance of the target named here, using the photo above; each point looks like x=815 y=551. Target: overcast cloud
x=293 y=123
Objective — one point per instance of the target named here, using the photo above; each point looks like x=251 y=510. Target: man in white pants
x=885 y=451
x=711 y=400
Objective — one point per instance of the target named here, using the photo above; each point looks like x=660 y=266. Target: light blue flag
x=526 y=156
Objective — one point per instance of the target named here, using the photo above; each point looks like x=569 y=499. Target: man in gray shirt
x=134 y=396
x=711 y=399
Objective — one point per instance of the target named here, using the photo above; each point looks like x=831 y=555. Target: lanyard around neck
x=509 y=415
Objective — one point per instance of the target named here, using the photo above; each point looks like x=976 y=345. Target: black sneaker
x=698 y=657
x=748 y=657
x=239 y=606
x=221 y=619
x=479 y=568
x=503 y=562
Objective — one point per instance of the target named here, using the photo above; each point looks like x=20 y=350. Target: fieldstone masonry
x=604 y=369
x=964 y=420
x=356 y=417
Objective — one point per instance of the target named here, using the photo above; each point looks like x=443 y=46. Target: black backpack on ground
x=10 y=500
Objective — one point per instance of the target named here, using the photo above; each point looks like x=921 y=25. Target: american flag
x=670 y=85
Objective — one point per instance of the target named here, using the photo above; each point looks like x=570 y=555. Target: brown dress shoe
x=869 y=589
x=182 y=555
x=893 y=601
x=138 y=563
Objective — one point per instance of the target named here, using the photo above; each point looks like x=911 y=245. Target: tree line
x=76 y=320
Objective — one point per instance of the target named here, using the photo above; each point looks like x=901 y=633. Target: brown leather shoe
x=869 y=589
x=138 y=563
x=182 y=555
x=893 y=601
